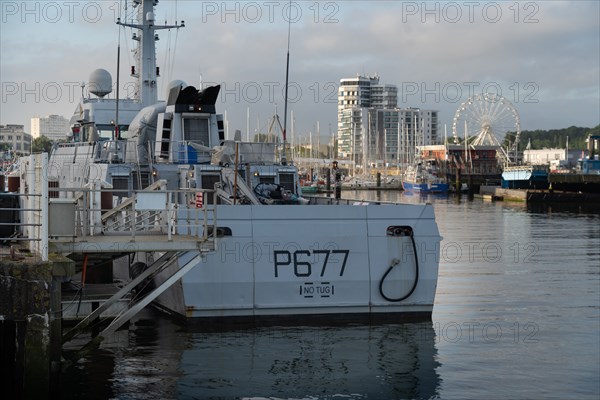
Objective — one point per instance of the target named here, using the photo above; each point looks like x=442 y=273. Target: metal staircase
x=153 y=220
x=164 y=262
x=84 y=223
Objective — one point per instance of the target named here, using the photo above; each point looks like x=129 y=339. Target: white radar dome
x=175 y=83
x=100 y=82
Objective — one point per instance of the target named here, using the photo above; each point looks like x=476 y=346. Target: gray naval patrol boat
x=278 y=254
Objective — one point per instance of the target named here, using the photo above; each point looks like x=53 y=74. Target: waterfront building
x=355 y=96
x=553 y=157
x=395 y=134
x=54 y=127
x=473 y=165
x=384 y=96
x=13 y=137
x=356 y=92
x=373 y=130
x=350 y=133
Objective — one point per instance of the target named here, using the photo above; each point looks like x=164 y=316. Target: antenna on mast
x=146 y=71
x=117 y=131
x=287 y=75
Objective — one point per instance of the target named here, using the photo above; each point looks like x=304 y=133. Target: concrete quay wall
x=30 y=325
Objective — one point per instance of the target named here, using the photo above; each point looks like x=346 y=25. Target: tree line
x=554 y=138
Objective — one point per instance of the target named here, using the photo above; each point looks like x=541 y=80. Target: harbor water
x=517 y=315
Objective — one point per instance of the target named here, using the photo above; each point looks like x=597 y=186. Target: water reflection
x=388 y=361
x=141 y=362
x=528 y=273
x=157 y=359
x=569 y=208
x=88 y=378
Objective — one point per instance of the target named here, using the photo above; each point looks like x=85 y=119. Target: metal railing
x=96 y=212
x=152 y=211
x=30 y=218
x=11 y=217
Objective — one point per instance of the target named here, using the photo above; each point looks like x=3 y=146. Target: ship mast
x=147 y=73
x=287 y=77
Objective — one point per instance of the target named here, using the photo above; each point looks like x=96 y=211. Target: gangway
x=89 y=225
x=160 y=265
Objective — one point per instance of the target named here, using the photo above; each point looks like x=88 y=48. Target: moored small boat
x=424 y=178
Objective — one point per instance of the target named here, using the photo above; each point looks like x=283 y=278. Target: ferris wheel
x=485 y=119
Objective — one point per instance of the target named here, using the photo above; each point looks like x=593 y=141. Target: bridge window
x=207 y=181
x=266 y=179
x=287 y=181
x=196 y=130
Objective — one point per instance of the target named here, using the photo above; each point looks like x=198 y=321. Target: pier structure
x=53 y=234
x=537 y=195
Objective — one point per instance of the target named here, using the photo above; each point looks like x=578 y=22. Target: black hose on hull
x=396 y=262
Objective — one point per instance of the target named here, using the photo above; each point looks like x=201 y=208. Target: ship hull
x=525 y=178
x=316 y=261
x=425 y=187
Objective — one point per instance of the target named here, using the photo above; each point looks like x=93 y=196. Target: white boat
x=276 y=255
x=360 y=182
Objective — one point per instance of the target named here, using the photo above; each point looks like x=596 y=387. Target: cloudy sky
x=543 y=56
